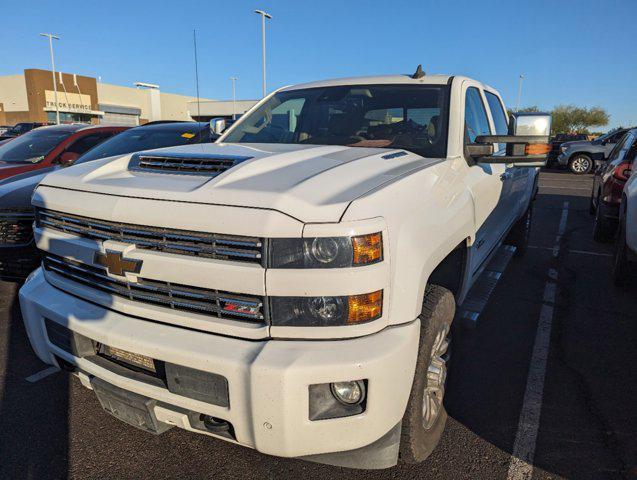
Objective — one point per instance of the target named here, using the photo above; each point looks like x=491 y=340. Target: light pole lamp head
x=265 y=14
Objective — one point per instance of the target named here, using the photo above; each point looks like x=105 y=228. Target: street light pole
x=55 y=88
x=264 y=15
x=519 y=91
x=234 y=98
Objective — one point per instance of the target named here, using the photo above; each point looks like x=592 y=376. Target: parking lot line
x=521 y=466
x=36 y=377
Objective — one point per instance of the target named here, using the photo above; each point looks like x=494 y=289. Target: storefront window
x=66 y=117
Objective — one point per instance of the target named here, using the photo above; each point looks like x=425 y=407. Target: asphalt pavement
x=545 y=385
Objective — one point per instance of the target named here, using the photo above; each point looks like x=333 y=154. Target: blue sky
x=581 y=52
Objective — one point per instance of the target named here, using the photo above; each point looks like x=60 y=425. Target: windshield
x=387 y=116
x=146 y=138
x=33 y=146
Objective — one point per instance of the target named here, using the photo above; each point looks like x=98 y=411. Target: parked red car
x=46 y=146
x=608 y=185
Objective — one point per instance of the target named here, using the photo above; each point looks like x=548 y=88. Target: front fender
x=428 y=214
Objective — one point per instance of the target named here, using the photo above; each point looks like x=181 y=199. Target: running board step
x=478 y=296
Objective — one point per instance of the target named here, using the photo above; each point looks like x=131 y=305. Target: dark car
x=47 y=146
x=20 y=129
x=583 y=157
x=608 y=185
x=18 y=255
x=558 y=140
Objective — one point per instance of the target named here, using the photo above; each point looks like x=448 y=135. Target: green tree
x=570 y=118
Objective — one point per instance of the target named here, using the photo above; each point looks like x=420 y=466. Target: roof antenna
x=419 y=73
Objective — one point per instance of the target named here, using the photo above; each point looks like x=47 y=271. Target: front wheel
x=580 y=164
x=425 y=416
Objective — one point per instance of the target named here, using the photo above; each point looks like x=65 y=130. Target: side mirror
x=68 y=158
x=527 y=144
x=217 y=125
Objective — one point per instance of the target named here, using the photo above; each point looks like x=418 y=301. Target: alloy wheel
x=436 y=378
x=581 y=165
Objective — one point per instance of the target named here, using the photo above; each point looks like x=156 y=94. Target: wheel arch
x=451 y=272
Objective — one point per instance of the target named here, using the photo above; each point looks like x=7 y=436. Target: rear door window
x=87 y=142
x=497 y=112
x=476 y=120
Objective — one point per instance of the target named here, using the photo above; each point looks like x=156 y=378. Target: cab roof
x=376 y=80
x=437 y=79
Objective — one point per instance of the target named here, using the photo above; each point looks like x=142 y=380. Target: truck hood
x=308 y=182
x=577 y=144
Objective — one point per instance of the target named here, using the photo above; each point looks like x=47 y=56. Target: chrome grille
x=181 y=242
x=16 y=228
x=216 y=303
x=190 y=164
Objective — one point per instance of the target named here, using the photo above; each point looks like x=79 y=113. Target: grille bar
x=16 y=228
x=189 y=164
x=216 y=303
x=181 y=242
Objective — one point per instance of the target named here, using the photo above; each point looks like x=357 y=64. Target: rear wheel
x=425 y=416
x=591 y=205
x=521 y=232
x=580 y=164
x=621 y=266
x=602 y=228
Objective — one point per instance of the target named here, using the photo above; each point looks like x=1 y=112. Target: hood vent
x=184 y=164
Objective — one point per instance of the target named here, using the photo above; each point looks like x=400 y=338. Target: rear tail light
x=622 y=171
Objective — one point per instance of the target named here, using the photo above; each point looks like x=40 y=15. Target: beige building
x=31 y=97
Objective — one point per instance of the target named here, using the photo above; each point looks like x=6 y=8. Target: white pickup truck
x=290 y=288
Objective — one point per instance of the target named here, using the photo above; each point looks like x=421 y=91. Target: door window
x=615 y=152
x=476 y=121
x=497 y=112
x=87 y=142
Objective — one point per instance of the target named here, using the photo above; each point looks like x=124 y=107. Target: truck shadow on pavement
x=34 y=417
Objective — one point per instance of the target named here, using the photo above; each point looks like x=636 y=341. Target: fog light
x=348 y=393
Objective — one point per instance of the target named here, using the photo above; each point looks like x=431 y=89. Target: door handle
x=505 y=176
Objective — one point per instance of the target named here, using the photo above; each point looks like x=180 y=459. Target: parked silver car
x=582 y=156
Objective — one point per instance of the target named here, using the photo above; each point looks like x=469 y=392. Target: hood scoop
x=206 y=165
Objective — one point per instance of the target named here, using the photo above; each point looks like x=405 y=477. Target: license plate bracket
x=131 y=408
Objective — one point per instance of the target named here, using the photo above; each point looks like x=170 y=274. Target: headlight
x=325 y=311
x=325 y=252
x=563 y=149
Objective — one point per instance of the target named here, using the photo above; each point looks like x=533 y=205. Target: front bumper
x=268 y=380
x=562 y=159
x=17 y=262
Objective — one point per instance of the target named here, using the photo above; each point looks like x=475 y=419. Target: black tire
x=418 y=440
x=602 y=229
x=621 y=266
x=580 y=164
x=520 y=233
x=591 y=205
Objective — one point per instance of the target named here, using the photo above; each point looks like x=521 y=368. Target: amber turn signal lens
x=366 y=307
x=367 y=248
x=537 y=149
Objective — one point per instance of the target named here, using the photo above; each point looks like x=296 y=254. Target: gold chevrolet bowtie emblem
x=115 y=264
